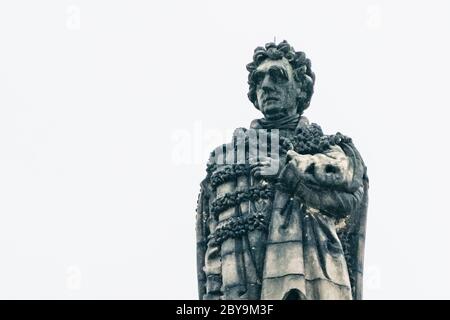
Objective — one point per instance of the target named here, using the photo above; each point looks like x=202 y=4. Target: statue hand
x=266 y=167
x=331 y=169
x=290 y=176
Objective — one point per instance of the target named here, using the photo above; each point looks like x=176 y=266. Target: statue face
x=276 y=88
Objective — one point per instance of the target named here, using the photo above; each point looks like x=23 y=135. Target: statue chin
x=275 y=112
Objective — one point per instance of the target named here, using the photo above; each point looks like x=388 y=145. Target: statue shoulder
x=224 y=155
x=238 y=134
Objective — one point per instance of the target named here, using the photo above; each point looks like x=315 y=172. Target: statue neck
x=289 y=122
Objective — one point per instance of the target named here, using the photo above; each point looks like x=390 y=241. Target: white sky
x=108 y=110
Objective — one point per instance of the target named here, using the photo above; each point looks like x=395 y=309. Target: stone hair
x=300 y=64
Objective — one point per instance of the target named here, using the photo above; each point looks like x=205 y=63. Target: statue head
x=280 y=80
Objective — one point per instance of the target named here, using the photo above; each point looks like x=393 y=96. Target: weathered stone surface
x=282 y=211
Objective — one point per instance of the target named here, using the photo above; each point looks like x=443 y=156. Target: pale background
x=108 y=110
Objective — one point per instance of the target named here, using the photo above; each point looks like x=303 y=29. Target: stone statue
x=282 y=211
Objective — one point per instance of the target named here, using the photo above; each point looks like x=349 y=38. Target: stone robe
x=259 y=239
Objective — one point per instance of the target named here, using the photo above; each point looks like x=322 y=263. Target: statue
x=282 y=211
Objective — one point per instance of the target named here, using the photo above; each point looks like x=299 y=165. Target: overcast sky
x=108 y=110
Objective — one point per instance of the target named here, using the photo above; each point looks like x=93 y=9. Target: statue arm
x=331 y=182
x=208 y=251
x=331 y=202
x=213 y=269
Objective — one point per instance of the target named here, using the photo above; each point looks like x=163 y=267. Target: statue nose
x=267 y=84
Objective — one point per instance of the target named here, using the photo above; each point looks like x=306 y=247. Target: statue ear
x=252 y=97
x=301 y=99
x=255 y=103
x=300 y=93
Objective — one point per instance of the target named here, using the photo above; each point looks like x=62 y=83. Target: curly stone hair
x=301 y=65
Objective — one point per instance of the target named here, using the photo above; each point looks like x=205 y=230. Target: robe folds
x=301 y=239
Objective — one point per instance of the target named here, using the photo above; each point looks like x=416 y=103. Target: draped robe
x=256 y=240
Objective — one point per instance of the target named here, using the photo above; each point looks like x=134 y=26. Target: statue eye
x=258 y=77
x=278 y=75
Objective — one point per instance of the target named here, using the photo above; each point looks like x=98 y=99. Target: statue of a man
x=282 y=211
